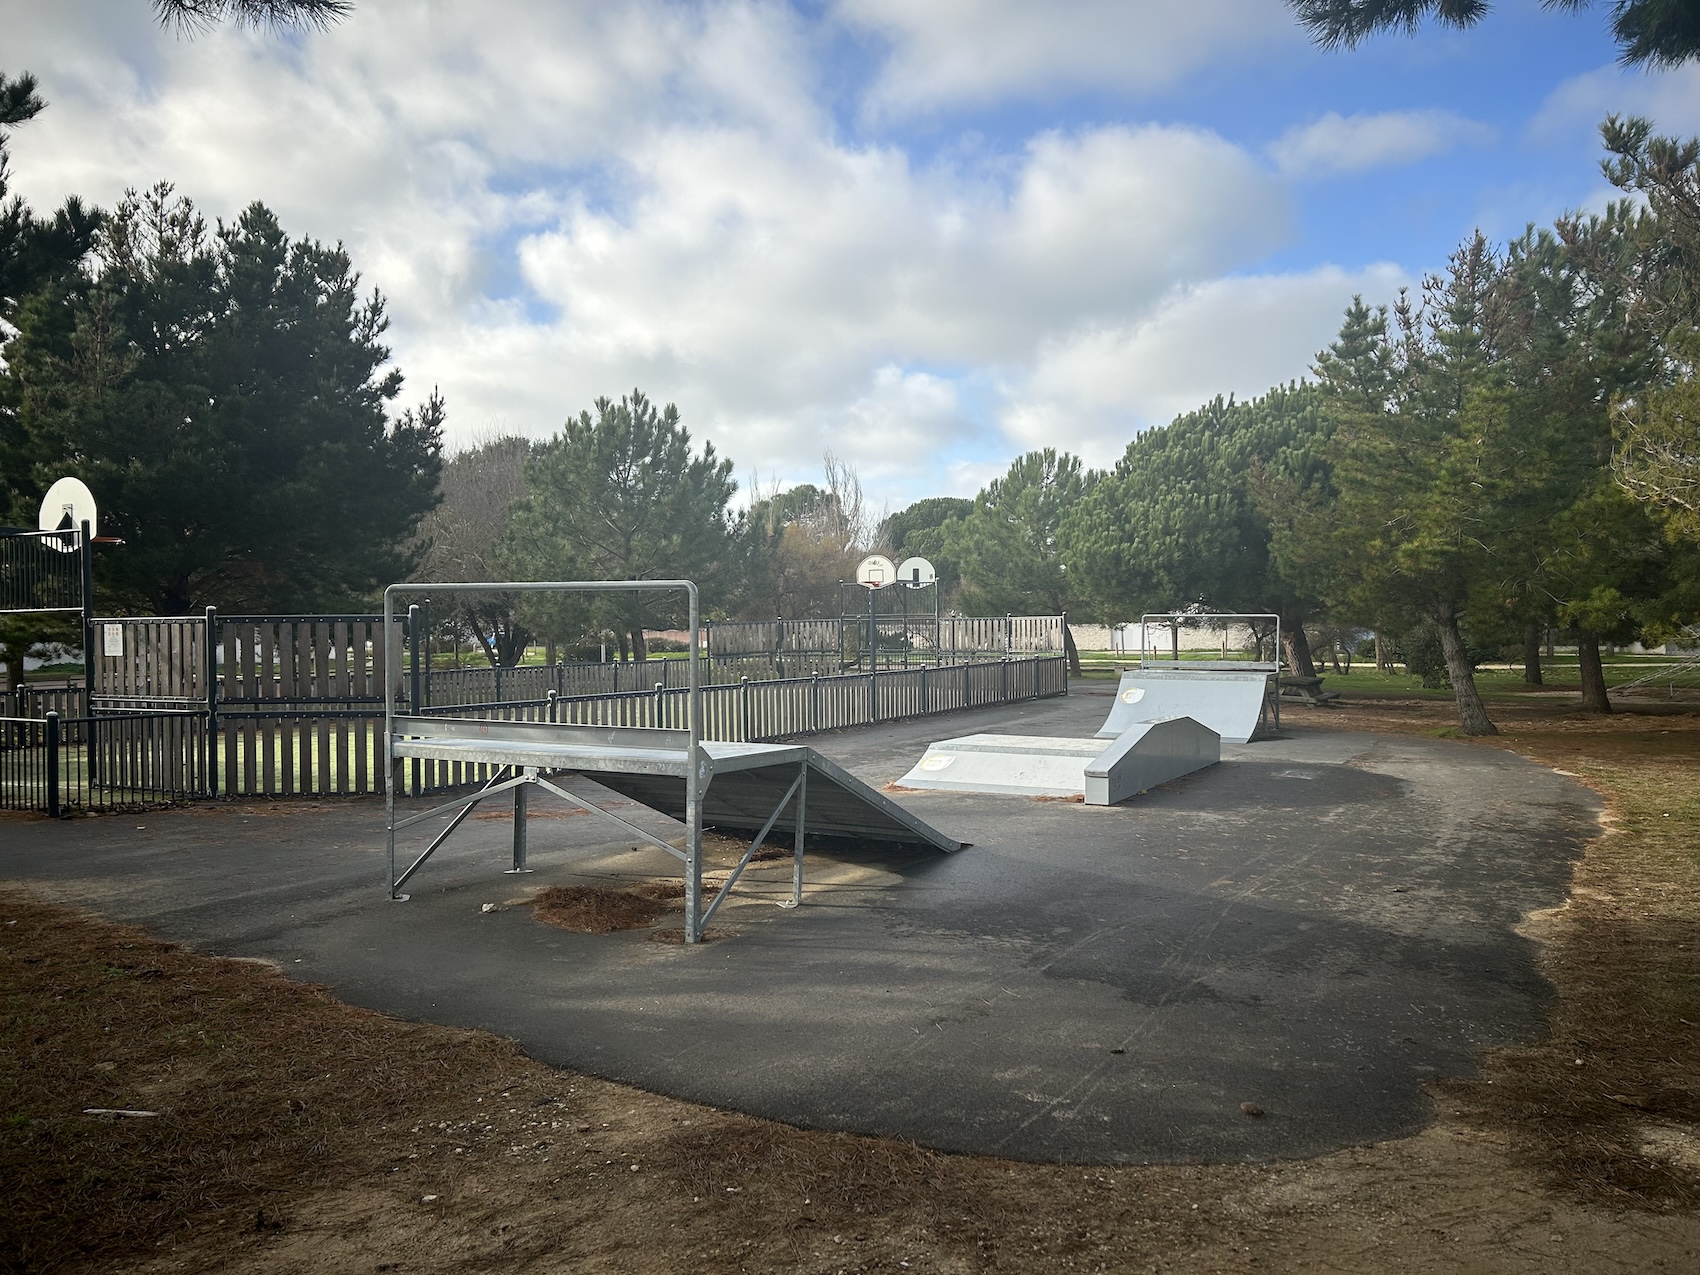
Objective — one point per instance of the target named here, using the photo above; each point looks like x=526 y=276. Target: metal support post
x=425 y=654
x=391 y=765
x=88 y=613
x=89 y=657
x=520 y=791
x=801 y=831
x=53 y=762
x=415 y=702
x=212 y=701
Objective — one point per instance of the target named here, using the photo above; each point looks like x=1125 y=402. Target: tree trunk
x=1472 y=713
x=1073 y=652
x=486 y=644
x=1532 y=655
x=1594 y=698
x=640 y=648
x=1383 y=664
x=1297 y=648
x=549 y=652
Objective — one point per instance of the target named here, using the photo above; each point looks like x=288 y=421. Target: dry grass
x=592 y=909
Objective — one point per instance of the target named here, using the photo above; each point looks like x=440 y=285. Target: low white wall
x=1125 y=638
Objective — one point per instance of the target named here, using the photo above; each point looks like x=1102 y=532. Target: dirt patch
x=595 y=909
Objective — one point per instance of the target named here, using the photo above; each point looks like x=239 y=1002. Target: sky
x=927 y=237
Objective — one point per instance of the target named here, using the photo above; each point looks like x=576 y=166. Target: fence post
x=1004 y=693
x=874 y=691
x=413 y=682
x=212 y=702
x=554 y=707
x=814 y=701
x=660 y=706
x=53 y=763
x=744 y=699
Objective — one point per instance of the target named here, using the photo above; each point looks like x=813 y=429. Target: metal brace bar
x=797 y=840
x=441 y=837
x=489 y=790
x=598 y=810
x=754 y=845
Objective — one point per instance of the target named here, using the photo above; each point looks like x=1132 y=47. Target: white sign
x=112 y=639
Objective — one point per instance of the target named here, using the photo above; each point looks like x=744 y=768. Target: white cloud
x=802 y=297
x=1091 y=389
x=1356 y=143
x=565 y=201
x=1671 y=99
x=972 y=52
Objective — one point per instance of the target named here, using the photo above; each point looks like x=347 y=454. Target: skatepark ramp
x=1236 y=698
x=730 y=787
x=1231 y=702
x=1146 y=754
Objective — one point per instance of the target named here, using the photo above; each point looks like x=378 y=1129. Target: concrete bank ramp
x=1144 y=755
x=1229 y=703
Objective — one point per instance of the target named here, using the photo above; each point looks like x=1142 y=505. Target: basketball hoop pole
x=88 y=616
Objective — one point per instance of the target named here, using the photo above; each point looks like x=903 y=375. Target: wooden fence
x=293 y=705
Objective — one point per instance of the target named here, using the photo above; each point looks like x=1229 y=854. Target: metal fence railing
x=754 y=711
x=56 y=765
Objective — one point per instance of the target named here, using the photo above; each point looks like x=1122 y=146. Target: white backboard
x=67 y=505
x=916 y=571
x=876 y=571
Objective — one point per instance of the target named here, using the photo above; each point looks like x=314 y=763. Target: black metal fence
x=56 y=765
x=42 y=571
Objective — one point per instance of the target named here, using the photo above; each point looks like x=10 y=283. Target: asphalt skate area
x=1316 y=926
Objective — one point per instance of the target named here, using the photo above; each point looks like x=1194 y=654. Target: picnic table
x=1307 y=690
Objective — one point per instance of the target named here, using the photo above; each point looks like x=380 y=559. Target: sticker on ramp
x=1133 y=694
x=938 y=761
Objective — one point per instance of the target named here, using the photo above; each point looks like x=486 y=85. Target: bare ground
x=295 y=1133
